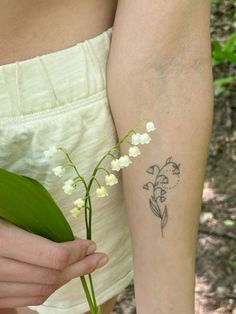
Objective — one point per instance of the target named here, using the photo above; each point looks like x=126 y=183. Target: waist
x=54 y=79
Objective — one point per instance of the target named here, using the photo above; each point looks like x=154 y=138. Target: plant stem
x=92 y=303
x=107 y=153
x=90 y=217
x=92 y=289
x=91 y=306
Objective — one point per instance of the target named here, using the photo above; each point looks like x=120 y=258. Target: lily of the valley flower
x=150 y=126
x=50 y=152
x=111 y=179
x=79 y=202
x=134 y=151
x=68 y=187
x=138 y=138
x=135 y=138
x=115 y=165
x=101 y=191
x=145 y=138
x=75 y=212
x=124 y=161
x=58 y=171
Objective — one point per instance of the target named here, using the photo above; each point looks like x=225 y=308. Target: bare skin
x=30 y=28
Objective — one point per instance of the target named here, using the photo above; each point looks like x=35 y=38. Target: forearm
x=180 y=104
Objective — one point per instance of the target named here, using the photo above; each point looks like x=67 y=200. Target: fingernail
x=102 y=261
x=91 y=249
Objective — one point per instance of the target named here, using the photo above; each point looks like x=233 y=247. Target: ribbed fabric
x=60 y=99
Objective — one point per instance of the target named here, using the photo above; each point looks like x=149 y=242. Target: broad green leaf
x=26 y=203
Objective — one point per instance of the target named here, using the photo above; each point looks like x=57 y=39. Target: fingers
x=15 y=271
x=18 y=244
x=21 y=301
x=17 y=294
x=17 y=289
x=32 y=267
x=77 y=250
x=85 y=266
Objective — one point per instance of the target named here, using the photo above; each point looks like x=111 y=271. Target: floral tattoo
x=165 y=179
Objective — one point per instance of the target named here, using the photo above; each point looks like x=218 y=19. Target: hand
x=33 y=267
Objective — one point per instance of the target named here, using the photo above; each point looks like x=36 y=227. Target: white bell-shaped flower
x=79 y=202
x=75 y=212
x=134 y=151
x=135 y=138
x=124 y=161
x=115 y=165
x=101 y=192
x=111 y=179
x=68 y=187
x=145 y=138
x=150 y=126
x=58 y=171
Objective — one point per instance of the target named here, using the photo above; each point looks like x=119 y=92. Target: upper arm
x=160 y=32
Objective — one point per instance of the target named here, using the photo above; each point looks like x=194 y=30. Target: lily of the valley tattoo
x=165 y=178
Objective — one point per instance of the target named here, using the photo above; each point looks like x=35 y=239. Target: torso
x=30 y=28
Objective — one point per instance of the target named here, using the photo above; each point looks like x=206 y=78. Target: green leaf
x=230 y=43
x=230 y=56
x=220 y=54
x=218 y=84
x=224 y=80
x=26 y=203
x=214 y=61
x=216 y=46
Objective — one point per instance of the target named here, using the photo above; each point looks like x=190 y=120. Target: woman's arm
x=159 y=67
